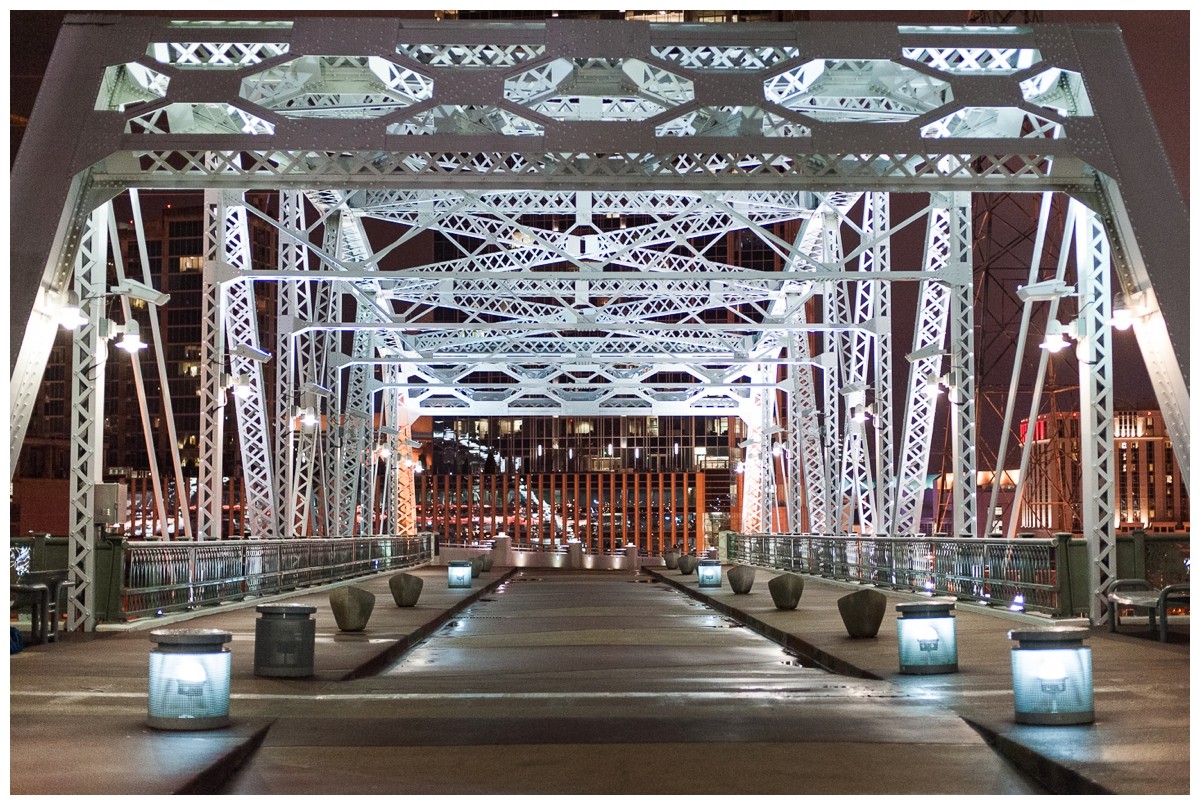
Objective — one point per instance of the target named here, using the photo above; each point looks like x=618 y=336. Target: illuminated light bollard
x=927 y=634
x=189 y=679
x=459 y=574
x=709 y=571
x=284 y=640
x=1052 y=676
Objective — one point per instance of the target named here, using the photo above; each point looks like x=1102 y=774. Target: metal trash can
x=284 y=639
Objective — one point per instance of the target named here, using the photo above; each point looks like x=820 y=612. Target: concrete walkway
x=78 y=708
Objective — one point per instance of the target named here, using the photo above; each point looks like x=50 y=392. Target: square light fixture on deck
x=709 y=571
x=459 y=574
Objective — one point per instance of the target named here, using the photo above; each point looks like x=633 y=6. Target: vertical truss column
x=405 y=496
x=212 y=359
x=316 y=477
x=1094 y=352
x=313 y=445
x=925 y=363
x=962 y=369
x=808 y=480
x=291 y=257
x=355 y=423
x=88 y=355
x=876 y=229
x=836 y=310
x=241 y=331
x=758 y=487
x=856 y=477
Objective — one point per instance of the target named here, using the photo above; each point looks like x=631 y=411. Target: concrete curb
x=212 y=780
x=800 y=647
x=1057 y=778
x=1054 y=776
x=398 y=649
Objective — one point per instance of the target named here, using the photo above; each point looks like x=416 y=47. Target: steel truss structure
x=589 y=176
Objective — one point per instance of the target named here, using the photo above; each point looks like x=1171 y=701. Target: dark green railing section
x=996 y=571
x=1049 y=576
x=173 y=576
x=138 y=579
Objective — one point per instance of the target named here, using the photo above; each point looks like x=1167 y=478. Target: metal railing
x=173 y=576
x=1019 y=573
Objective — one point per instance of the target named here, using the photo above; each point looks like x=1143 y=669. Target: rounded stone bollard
x=351 y=607
x=476 y=566
x=786 y=590
x=741 y=578
x=406 y=589
x=487 y=562
x=671 y=558
x=687 y=564
x=862 y=612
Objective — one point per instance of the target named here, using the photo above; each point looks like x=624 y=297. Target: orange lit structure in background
x=543 y=511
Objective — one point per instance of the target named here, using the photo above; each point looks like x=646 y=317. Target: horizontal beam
x=625 y=328
x=631 y=280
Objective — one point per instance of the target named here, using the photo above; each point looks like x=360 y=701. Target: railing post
x=1139 y=557
x=1062 y=574
x=191 y=551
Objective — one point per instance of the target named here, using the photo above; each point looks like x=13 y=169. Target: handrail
x=162 y=577
x=1022 y=574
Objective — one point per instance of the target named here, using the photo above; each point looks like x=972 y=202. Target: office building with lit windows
x=1150 y=496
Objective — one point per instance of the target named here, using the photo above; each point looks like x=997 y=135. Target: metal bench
x=41 y=591
x=1138 y=594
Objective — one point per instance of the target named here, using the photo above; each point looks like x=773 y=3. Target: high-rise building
x=1150 y=497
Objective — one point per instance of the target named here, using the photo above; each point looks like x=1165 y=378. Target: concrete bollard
x=687 y=564
x=671 y=560
x=351 y=607
x=406 y=589
x=741 y=578
x=487 y=562
x=786 y=590
x=476 y=566
x=862 y=612
x=502 y=551
x=632 y=559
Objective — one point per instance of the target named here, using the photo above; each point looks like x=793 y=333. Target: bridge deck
x=597 y=682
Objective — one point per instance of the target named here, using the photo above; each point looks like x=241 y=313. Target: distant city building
x=1150 y=496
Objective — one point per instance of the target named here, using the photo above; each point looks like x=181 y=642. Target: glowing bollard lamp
x=459 y=574
x=189 y=679
x=927 y=634
x=709 y=571
x=1052 y=676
